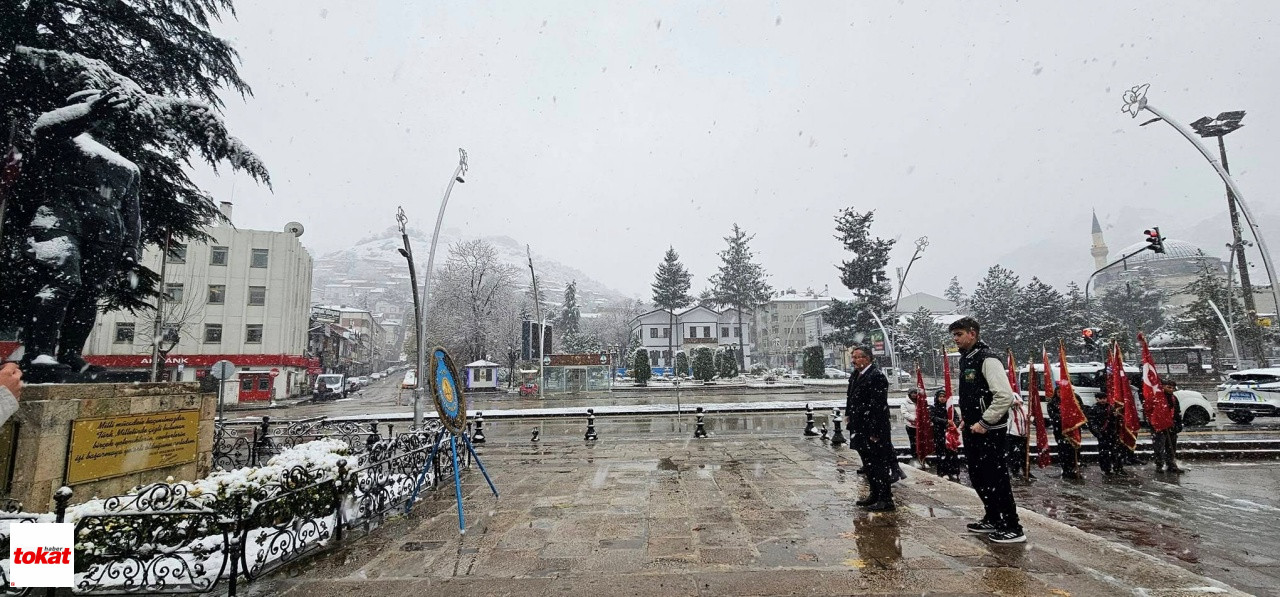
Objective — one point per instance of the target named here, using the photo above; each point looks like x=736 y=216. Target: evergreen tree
x=704 y=367
x=920 y=338
x=1075 y=318
x=570 y=316
x=1040 y=319
x=728 y=367
x=815 y=366
x=163 y=58
x=640 y=367
x=682 y=364
x=996 y=304
x=955 y=293
x=1197 y=321
x=1124 y=310
x=864 y=275
x=671 y=291
x=707 y=298
x=740 y=282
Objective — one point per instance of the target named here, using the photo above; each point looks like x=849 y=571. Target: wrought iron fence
x=167 y=538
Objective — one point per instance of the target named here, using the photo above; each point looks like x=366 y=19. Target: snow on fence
x=237 y=525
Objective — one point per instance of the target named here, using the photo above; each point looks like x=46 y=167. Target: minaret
x=1099 y=248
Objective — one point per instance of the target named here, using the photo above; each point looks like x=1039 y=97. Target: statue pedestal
x=103 y=439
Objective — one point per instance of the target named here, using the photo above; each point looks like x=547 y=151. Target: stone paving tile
x=723 y=517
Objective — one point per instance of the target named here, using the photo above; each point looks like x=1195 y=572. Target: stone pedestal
x=44 y=424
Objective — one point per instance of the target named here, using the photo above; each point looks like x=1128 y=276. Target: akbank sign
x=41 y=555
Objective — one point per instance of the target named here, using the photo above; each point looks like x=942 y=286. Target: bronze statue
x=84 y=233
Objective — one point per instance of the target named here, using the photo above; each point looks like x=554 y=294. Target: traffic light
x=1090 y=339
x=1155 y=242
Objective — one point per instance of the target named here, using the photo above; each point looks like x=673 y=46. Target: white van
x=1086 y=378
x=331 y=385
x=1250 y=393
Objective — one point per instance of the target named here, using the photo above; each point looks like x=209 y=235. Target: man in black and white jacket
x=985 y=399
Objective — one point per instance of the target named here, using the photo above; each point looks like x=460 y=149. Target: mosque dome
x=1173 y=249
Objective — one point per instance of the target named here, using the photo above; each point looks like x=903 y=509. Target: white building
x=695 y=327
x=781 y=326
x=244 y=297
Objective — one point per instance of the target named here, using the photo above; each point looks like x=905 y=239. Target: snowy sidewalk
x=721 y=516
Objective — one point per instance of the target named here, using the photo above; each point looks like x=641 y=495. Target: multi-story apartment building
x=243 y=297
x=369 y=346
x=781 y=327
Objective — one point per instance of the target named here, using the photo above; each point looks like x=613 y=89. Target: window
x=264 y=383
x=706 y=331
x=217 y=294
x=258 y=258
x=217 y=255
x=735 y=332
x=653 y=359
x=653 y=332
x=177 y=253
x=257 y=295
x=693 y=332
x=724 y=332
x=124 y=333
x=253 y=333
x=666 y=332
x=246 y=383
x=173 y=292
x=212 y=333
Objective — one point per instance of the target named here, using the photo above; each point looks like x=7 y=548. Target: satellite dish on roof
x=294 y=228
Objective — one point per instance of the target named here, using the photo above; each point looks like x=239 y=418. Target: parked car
x=903 y=376
x=1087 y=379
x=374 y=376
x=833 y=373
x=410 y=380
x=1251 y=393
x=331 y=386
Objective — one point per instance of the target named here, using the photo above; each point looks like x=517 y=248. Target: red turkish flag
x=924 y=425
x=1122 y=393
x=1072 y=415
x=1037 y=415
x=946 y=374
x=1159 y=415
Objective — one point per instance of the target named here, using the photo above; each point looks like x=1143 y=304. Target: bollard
x=591 y=426
x=478 y=436
x=809 y=430
x=824 y=433
x=60 y=499
x=700 y=431
x=534 y=439
x=837 y=435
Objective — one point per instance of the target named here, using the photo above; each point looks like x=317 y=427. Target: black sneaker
x=981 y=527
x=1007 y=537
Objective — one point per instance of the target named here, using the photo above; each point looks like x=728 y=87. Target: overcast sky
x=602 y=132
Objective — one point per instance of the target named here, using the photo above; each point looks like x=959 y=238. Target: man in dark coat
x=948 y=460
x=867 y=415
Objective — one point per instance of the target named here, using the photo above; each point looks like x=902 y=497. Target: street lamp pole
x=1136 y=101
x=921 y=244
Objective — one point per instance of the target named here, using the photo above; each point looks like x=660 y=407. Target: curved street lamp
x=1135 y=101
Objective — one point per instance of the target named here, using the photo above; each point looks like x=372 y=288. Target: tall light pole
x=1135 y=101
x=420 y=308
x=921 y=244
x=1219 y=127
x=157 y=328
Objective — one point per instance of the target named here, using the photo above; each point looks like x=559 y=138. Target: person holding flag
x=923 y=445
x=985 y=398
x=1164 y=414
x=1016 y=440
x=1066 y=415
x=946 y=441
x=1036 y=412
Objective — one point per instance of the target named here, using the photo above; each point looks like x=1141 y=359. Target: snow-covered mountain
x=375 y=262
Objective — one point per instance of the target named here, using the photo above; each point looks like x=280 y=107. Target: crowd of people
x=990 y=424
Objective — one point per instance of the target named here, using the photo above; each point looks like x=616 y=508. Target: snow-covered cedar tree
x=814 y=367
x=682 y=363
x=728 y=367
x=704 y=367
x=640 y=363
x=165 y=60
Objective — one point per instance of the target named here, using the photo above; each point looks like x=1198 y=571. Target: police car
x=1250 y=393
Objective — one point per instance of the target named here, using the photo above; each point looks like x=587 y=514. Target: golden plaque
x=105 y=447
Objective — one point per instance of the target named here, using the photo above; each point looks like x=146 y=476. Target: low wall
x=126 y=435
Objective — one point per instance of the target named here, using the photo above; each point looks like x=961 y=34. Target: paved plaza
x=718 y=516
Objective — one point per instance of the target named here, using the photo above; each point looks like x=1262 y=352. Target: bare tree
x=472 y=302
